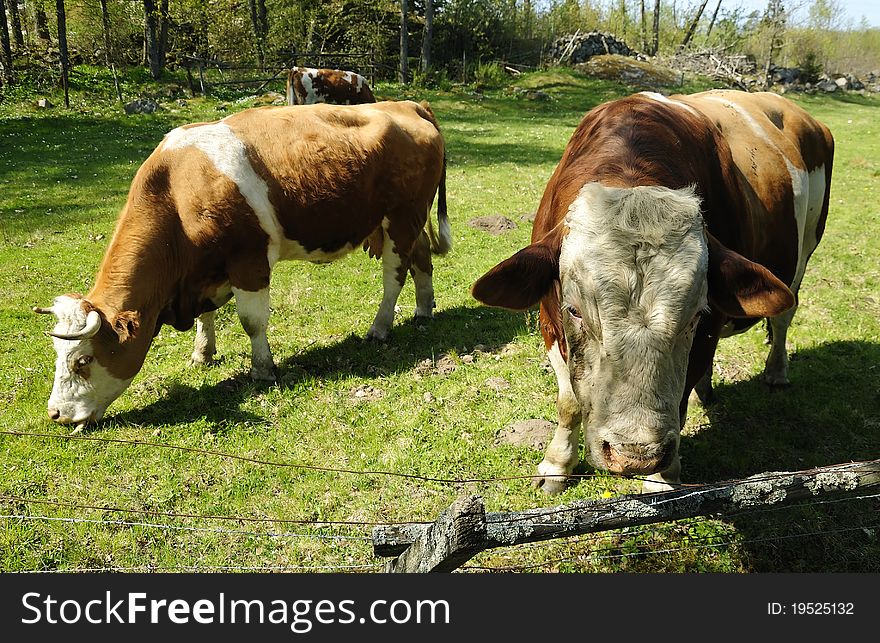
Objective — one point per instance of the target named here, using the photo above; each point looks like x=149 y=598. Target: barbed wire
x=171 y=514
x=645 y=529
x=203 y=568
x=690 y=546
x=216 y=530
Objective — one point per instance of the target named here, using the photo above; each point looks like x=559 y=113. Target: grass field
x=431 y=402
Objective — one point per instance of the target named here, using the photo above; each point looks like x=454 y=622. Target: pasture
x=215 y=482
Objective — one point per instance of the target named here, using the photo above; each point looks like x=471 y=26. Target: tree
x=774 y=23
x=6 y=54
x=261 y=28
x=62 y=47
x=155 y=36
x=693 y=26
x=655 y=43
x=712 y=22
x=404 y=42
x=15 y=23
x=428 y=35
x=108 y=47
x=42 y=24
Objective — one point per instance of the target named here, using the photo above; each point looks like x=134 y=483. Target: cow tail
x=441 y=243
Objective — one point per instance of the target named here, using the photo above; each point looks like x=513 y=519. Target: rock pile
x=580 y=47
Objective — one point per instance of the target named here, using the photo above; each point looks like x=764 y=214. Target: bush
x=811 y=67
x=489 y=76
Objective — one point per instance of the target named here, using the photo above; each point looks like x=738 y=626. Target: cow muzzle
x=637 y=459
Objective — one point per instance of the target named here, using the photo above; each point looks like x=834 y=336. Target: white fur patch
x=228 y=154
x=76 y=398
x=660 y=98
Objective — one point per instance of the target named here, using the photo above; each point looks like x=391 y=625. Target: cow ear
x=126 y=324
x=521 y=281
x=742 y=288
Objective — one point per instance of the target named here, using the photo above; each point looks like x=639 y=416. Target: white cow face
x=633 y=283
x=84 y=386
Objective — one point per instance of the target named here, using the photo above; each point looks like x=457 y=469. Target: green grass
x=63 y=179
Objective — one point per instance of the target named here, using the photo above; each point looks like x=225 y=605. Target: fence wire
x=611 y=553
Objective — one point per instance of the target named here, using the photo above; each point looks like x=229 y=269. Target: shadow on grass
x=829 y=415
x=411 y=343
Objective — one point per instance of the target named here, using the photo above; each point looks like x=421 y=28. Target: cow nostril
x=54 y=414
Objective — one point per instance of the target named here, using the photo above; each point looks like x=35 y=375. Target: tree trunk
x=712 y=22
x=152 y=44
x=62 y=48
x=258 y=37
x=775 y=16
x=108 y=47
x=644 y=27
x=527 y=14
x=428 y=36
x=164 y=22
x=693 y=26
x=655 y=44
x=6 y=54
x=15 y=24
x=404 y=42
x=42 y=25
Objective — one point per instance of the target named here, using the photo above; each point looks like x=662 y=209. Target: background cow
x=306 y=86
x=216 y=205
x=668 y=223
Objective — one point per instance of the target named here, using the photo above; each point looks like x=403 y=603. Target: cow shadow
x=412 y=343
x=829 y=415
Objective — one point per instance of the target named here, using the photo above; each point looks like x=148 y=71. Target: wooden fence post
x=458 y=534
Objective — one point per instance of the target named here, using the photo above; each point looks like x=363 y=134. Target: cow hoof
x=263 y=374
x=656 y=484
x=198 y=359
x=775 y=380
x=375 y=335
x=551 y=480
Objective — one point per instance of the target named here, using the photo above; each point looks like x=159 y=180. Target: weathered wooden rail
x=465 y=529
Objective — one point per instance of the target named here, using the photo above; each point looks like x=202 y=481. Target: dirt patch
x=535 y=434
x=442 y=366
x=497 y=384
x=495 y=224
x=365 y=393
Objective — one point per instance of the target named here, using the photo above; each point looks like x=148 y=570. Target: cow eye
x=574 y=313
x=82 y=361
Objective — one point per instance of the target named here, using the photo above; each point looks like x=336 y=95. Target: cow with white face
x=217 y=205
x=668 y=223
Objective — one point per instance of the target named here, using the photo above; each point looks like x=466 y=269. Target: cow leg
x=206 y=341
x=422 y=270
x=665 y=480
x=253 y=311
x=394 y=267
x=561 y=456
x=703 y=388
x=776 y=368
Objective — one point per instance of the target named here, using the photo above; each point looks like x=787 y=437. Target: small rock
x=366 y=393
x=538 y=95
x=428 y=397
x=467 y=359
x=44 y=103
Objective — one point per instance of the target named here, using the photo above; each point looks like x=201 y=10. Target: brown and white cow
x=216 y=205
x=668 y=223
x=306 y=86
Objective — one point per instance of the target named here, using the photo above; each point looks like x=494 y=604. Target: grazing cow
x=216 y=205
x=668 y=223
x=306 y=86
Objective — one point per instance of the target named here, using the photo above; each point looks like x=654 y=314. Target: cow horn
x=43 y=311
x=93 y=325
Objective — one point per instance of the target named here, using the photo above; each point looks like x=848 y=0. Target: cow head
x=98 y=355
x=633 y=270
